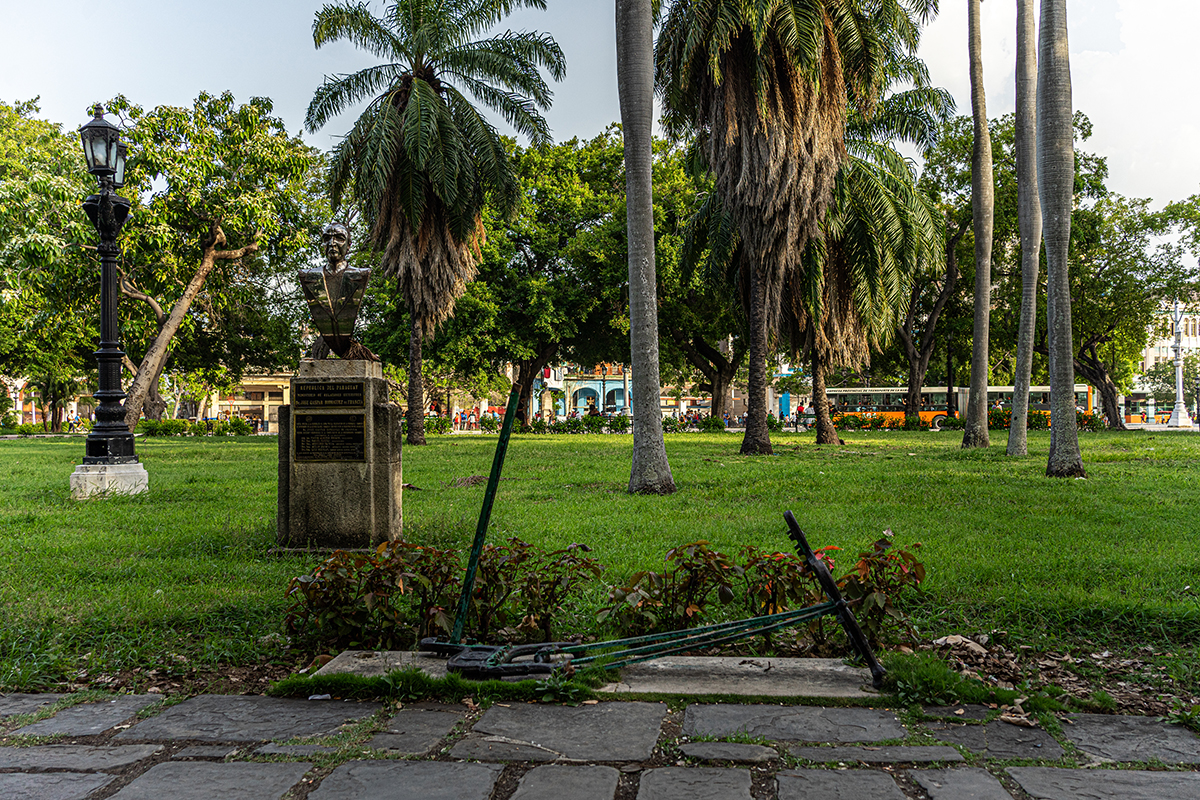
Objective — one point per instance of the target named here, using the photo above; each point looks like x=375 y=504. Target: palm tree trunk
x=650 y=472
x=1029 y=220
x=982 y=203
x=826 y=432
x=416 y=387
x=1056 y=181
x=757 y=440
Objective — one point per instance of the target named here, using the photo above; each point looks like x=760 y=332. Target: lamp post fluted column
x=1179 y=414
x=110 y=463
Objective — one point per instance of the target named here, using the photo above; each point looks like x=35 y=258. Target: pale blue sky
x=1131 y=62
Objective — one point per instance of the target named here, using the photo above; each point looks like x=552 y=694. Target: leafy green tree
x=1122 y=275
x=219 y=193
x=421 y=159
x=49 y=308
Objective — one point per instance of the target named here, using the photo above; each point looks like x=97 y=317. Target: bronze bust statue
x=334 y=295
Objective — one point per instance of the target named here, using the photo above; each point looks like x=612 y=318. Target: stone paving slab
x=244 y=718
x=729 y=751
x=210 y=751
x=793 y=723
x=764 y=677
x=500 y=749
x=1049 y=783
x=1132 y=738
x=371 y=663
x=559 y=782
x=827 y=784
x=90 y=719
x=962 y=783
x=408 y=780
x=205 y=780
x=878 y=755
x=601 y=732
x=74 y=757
x=1000 y=740
x=52 y=786
x=415 y=730
x=704 y=783
x=21 y=703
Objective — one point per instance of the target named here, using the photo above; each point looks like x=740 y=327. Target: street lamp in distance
x=110 y=464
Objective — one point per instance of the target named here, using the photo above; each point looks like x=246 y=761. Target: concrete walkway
x=219 y=747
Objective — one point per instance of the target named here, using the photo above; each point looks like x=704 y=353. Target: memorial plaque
x=330 y=437
x=326 y=394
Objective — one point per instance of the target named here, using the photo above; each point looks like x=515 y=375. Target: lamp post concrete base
x=90 y=480
x=1179 y=417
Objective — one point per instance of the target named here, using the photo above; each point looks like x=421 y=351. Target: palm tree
x=975 y=433
x=855 y=289
x=1056 y=184
x=651 y=472
x=421 y=159
x=767 y=85
x=1029 y=220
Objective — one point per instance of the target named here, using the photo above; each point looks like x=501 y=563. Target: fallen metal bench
x=480 y=662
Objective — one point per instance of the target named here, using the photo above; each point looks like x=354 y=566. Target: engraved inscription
x=325 y=394
x=329 y=437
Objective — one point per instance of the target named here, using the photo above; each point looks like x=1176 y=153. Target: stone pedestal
x=340 y=474
x=90 y=480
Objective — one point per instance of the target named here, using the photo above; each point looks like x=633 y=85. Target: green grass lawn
x=187 y=572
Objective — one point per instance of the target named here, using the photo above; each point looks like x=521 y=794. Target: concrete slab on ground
x=1049 y=783
x=878 y=755
x=960 y=784
x=52 y=786
x=690 y=675
x=1132 y=739
x=408 y=780
x=745 y=677
x=74 y=757
x=601 y=732
x=372 y=663
x=824 y=784
x=206 y=780
x=90 y=719
x=562 y=782
x=704 y=783
x=244 y=718
x=793 y=723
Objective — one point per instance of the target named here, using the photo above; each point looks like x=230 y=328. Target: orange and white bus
x=888 y=401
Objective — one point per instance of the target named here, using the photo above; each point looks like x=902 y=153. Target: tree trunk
x=826 y=433
x=650 y=472
x=757 y=439
x=1029 y=220
x=1090 y=365
x=156 y=355
x=416 y=386
x=1056 y=183
x=951 y=397
x=975 y=434
x=718 y=370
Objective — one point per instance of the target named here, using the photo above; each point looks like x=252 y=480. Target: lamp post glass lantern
x=109 y=463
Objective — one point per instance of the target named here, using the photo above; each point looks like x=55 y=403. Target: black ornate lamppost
x=109 y=463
